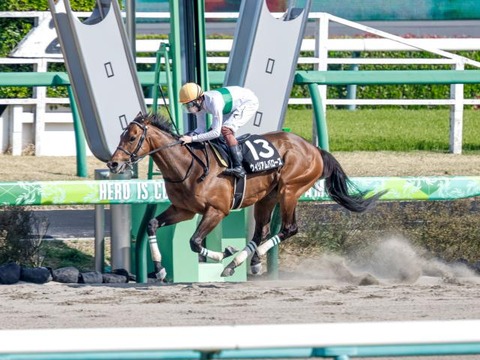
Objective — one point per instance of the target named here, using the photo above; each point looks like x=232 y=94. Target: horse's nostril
x=112 y=165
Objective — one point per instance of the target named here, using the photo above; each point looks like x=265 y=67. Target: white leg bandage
x=245 y=253
x=267 y=245
x=214 y=255
x=154 y=250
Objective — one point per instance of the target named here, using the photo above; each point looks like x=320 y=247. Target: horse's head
x=133 y=146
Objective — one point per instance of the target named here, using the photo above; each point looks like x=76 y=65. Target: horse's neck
x=173 y=162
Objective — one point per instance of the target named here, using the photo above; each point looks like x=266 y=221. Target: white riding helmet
x=190 y=92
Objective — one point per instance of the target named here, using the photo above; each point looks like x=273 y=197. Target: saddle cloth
x=258 y=153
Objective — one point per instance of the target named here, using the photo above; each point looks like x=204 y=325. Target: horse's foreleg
x=209 y=221
x=170 y=216
x=262 y=214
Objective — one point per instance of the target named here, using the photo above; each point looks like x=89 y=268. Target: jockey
x=231 y=107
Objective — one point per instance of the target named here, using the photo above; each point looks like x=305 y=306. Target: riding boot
x=237 y=158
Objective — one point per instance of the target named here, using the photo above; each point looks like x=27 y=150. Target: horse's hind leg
x=288 y=204
x=262 y=214
x=286 y=232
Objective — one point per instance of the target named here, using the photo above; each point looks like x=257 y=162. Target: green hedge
x=12 y=31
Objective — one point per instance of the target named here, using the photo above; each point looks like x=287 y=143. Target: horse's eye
x=132 y=139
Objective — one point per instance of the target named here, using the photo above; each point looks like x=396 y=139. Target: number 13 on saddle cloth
x=258 y=153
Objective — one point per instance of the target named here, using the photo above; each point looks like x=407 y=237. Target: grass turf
x=388 y=129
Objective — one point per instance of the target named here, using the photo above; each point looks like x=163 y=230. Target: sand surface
x=55 y=305
x=328 y=292
x=396 y=285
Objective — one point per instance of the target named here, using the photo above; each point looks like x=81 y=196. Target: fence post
x=456 y=114
x=99 y=253
x=321 y=53
x=16 y=134
x=120 y=233
x=40 y=95
x=352 y=89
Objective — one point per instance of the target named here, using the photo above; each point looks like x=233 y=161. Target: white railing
x=339 y=340
x=45 y=120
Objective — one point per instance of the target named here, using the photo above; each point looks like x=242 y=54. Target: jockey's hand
x=185 y=139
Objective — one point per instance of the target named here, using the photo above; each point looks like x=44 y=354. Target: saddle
x=258 y=155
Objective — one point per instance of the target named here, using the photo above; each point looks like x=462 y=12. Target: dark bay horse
x=192 y=190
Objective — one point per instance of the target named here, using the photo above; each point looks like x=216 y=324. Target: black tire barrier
x=38 y=275
x=91 y=277
x=114 y=279
x=10 y=273
x=122 y=272
x=66 y=275
x=476 y=266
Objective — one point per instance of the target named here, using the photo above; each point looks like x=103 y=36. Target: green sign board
x=153 y=191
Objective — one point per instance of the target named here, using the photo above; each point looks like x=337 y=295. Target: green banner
x=83 y=192
x=409 y=188
x=153 y=191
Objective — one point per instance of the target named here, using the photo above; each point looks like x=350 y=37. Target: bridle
x=134 y=158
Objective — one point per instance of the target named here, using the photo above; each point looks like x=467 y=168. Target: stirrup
x=238 y=172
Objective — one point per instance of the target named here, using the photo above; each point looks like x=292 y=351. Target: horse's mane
x=160 y=122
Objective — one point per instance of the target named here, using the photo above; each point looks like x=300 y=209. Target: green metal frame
x=181 y=263
x=347 y=77
x=79 y=137
x=175 y=51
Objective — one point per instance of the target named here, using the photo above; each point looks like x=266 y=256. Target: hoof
x=256 y=269
x=368 y=280
x=202 y=259
x=227 y=272
x=229 y=251
x=160 y=275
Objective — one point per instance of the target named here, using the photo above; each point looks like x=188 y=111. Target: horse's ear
x=148 y=118
x=139 y=117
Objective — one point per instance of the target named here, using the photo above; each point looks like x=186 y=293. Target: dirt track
x=54 y=305
x=364 y=163
x=318 y=290
x=327 y=289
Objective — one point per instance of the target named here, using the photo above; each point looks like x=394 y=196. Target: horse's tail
x=341 y=189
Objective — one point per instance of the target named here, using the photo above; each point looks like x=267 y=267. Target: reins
x=205 y=166
x=134 y=158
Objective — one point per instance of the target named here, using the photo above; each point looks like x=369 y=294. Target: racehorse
x=195 y=185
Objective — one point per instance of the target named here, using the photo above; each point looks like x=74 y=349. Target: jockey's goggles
x=190 y=104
